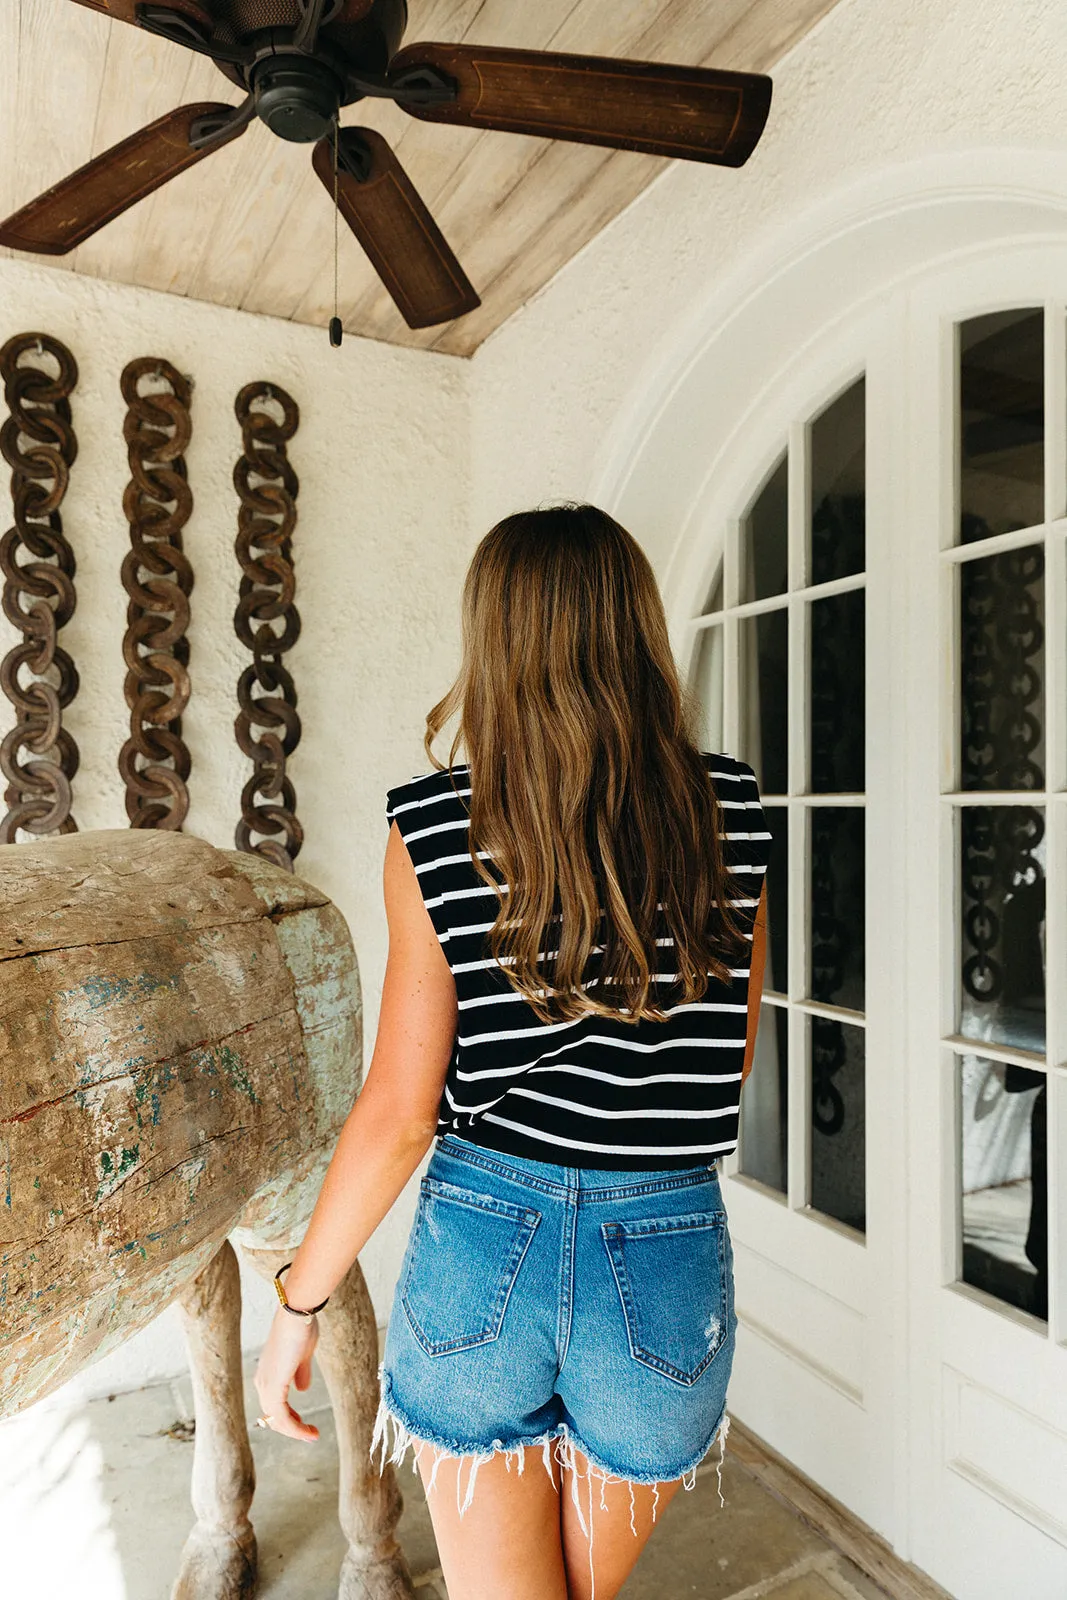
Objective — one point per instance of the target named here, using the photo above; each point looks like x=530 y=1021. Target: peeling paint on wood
x=181 y=1041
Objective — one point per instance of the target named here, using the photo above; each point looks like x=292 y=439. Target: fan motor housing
x=297 y=96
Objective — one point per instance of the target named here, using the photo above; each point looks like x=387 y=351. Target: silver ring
x=261 y=1422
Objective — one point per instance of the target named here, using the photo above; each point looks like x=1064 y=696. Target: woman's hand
x=286 y=1359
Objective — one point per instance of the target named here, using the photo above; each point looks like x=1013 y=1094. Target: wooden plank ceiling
x=252 y=227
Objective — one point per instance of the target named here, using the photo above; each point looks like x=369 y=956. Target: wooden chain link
x=39 y=446
x=267 y=487
x=156 y=574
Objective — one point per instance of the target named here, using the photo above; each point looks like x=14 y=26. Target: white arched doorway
x=867 y=456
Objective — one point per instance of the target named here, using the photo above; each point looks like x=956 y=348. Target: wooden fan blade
x=695 y=113
x=388 y=217
x=71 y=210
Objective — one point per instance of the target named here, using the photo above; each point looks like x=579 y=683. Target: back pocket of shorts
x=466 y=1251
x=674 y=1284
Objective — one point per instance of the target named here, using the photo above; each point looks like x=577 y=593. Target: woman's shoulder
x=434 y=788
x=723 y=765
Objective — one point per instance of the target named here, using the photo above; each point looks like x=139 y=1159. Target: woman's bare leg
x=613 y=1521
x=507 y=1544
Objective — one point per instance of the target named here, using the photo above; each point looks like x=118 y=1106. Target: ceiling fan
x=300 y=61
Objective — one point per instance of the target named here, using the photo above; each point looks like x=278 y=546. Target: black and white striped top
x=592 y=1092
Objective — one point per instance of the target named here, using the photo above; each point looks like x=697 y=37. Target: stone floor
x=115 y=1475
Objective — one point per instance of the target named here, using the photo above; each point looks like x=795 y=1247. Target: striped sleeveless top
x=592 y=1092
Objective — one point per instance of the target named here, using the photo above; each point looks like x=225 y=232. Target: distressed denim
x=562 y=1307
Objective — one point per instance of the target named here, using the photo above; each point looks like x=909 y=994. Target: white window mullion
x=731 y=564
x=799 y=493
x=1057 y=1177
x=1055 y=410
x=1056 y=658
x=1056 y=807
x=799 y=1133
x=949 y=1167
x=1055 y=551
x=731 y=718
x=1056 y=1022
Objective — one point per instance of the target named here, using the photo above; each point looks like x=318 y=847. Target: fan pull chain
x=335 y=321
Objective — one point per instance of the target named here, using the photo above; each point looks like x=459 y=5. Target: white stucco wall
x=382 y=456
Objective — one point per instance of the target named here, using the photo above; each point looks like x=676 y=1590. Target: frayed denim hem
x=561 y=1436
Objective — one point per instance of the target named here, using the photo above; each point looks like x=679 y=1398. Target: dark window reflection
x=838 y=486
x=837 y=904
x=776 y=973
x=1003 y=853
x=1002 y=670
x=838 y=1145
x=765 y=1102
x=764 y=675
x=1004 y=1181
x=1002 y=422
x=837 y=693
x=764 y=539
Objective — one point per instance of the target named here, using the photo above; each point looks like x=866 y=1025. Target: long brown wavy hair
x=588 y=788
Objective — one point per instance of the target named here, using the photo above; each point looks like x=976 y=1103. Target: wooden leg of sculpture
x=369 y=1506
x=218 y=1560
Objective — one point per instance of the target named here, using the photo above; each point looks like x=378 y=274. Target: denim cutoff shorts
x=540 y=1305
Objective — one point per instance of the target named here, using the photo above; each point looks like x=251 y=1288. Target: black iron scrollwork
x=1000 y=733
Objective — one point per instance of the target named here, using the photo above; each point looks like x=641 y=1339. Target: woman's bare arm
x=392 y=1124
x=755 y=980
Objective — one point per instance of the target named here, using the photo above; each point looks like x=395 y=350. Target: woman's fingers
x=283 y=1419
x=285 y=1360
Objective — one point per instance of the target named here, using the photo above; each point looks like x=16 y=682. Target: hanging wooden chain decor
x=154 y=762
x=267 y=726
x=39 y=446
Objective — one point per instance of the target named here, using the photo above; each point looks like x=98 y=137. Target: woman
x=568 y=1281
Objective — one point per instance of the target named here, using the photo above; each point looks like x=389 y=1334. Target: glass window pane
x=1003 y=853
x=707 y=686
x=764 y=539
x=1002 y=423
x=1004 y=1181
x=838 y=485
x=1002 y=670
x=836 y=972
x=836 y=644
x=776 y=970
x=764 y=1103
x=838 y=1144
x=764 y=680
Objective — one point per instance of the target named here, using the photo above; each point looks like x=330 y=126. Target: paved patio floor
x=114 y=1475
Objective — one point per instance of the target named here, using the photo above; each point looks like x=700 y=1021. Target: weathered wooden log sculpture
x=180 y=1039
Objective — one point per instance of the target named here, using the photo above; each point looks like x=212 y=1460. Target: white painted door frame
x=988 y=1384
x=937 y=1416
x=821 y=1326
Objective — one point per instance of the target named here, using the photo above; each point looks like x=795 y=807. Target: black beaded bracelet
x=282 y=1296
